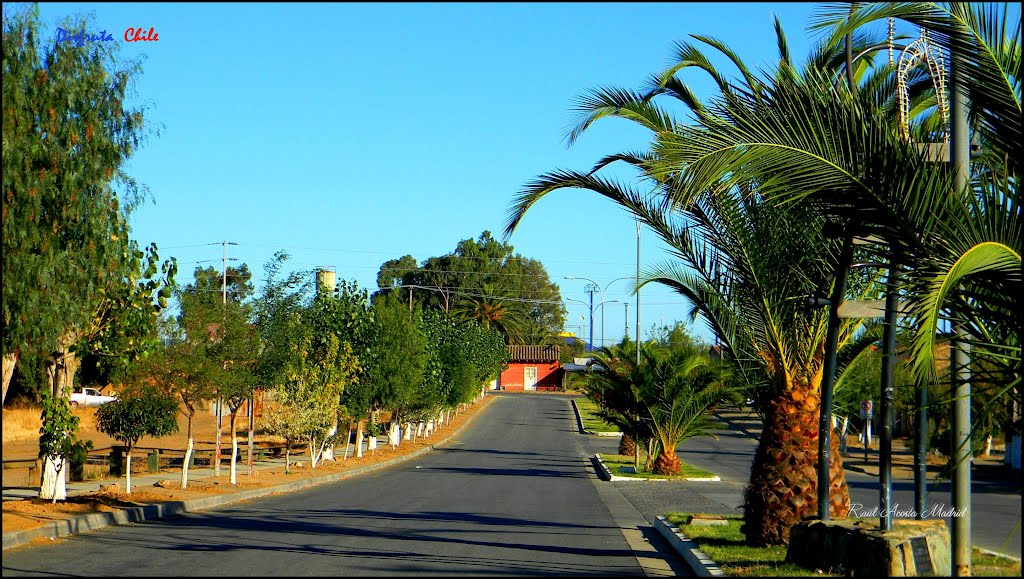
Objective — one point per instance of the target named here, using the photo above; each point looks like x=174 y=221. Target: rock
x=708 y=520
x=111 y=488
x=167 y=483
x=861 y=549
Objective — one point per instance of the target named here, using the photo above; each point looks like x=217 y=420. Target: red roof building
x=532 y=368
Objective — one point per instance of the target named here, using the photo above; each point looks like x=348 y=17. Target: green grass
x=725 y=545
x=614 y=461
x=588 y=414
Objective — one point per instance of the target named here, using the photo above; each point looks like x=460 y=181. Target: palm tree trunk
x=627 y=446
x=784 y=477
x=667 y=462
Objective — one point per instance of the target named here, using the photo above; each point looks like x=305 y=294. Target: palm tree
x=962 y=249
x=616 y=381
x=745 y=263
x=492 y=308
x=687 y=385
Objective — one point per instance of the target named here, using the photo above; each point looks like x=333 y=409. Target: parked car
x=88 y=397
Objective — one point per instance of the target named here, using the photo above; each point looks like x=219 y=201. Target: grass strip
x=588 y=414
x=614 y=461
x=726 y=546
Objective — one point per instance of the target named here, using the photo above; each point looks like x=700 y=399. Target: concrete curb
x=605 y=474
x=579 y=424
x=82 y=523
x=699 y=562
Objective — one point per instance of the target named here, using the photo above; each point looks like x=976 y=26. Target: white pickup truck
x=88 y=397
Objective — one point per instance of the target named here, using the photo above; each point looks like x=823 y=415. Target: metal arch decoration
x=918 y=51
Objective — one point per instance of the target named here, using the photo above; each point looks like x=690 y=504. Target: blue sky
x=351 y=134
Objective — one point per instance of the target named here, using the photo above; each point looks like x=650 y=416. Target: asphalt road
x=514 y=494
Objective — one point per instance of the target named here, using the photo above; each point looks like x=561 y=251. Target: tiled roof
x=547 y=353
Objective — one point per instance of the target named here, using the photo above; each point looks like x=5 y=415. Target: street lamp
x=591 y=306
x=603 y=301
x=602 y=316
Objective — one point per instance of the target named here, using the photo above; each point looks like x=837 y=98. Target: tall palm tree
x=745 y=263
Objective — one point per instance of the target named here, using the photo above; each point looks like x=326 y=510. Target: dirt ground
x=31 y=513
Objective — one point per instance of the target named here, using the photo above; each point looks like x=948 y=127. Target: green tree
x=181 y=369
x=394 y=368
x=66 y=135
x=144 y=412
x=483 y=279
x=686 y=386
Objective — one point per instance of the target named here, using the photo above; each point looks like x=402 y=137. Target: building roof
x=548 y=353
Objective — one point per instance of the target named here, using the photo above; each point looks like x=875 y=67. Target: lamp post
x=591 y=307
x=601 y=290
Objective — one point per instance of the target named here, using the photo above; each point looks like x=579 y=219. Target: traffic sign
x=866 y=409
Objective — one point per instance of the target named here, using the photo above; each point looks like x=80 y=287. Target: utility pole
x=638 y=292
x=224 y=301
x=960 y=370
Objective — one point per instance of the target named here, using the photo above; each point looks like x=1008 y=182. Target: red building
x=532 y=368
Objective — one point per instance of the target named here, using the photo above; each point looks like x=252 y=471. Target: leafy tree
x=482 y=279
x=211 y=283
x=181 y=369
x=71 y=277
x=394 y=368
x=66 y=135
x=144 y=413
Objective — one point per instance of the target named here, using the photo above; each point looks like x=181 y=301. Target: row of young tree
x=761 y=190
x=321 y=361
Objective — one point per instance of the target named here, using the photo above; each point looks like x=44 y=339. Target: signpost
x=867 y=413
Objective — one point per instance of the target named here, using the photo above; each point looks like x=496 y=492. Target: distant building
x=532 y=368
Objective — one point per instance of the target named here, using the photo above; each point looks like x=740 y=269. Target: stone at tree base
x=702 y=519
x=111 y=488
x=863 y=550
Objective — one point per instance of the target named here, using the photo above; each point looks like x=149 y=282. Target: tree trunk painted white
x=395 y=435
x=10 y=360
x=61 y=374
x=188 y=458
x=328 y=449
x=52 y=486
x=359 y=440
x=429 y=429
x=220 y=416
x=234 y=452
x=407 y=432
x=287 y=457
x=419 y=428
x=348 y=440
x=988 y=445
x=312 y=452
x=128 y=470
x=371 y=444
x=249 y=459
